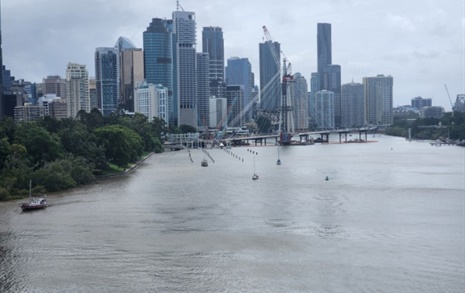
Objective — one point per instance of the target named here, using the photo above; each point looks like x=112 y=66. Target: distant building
x=106 y=76
x=184 y=30
x=235 y=102
x=218 y=113
x=299 y=93
x=329 y=74
x=270 y=82
x=432 y=112
x=131 y=73
x=324 y=47
x=93 y=93
x=159 y=63
x=378 y=94
x=213 y=44
x=151 y=100
x=324 y=110
x=203 y=90
x=77 y=89
x=419 y=102
x=28 y=113
x=239 y=72
x=352 y=105
x=54 y=84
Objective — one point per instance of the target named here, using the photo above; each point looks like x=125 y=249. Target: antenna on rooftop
x=178 y=6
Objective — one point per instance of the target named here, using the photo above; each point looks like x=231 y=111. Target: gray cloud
x=421 y=46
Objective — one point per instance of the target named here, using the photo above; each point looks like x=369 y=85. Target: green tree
x=41 y=146
x=187 y=129
x=122 y=145
x=55 y=176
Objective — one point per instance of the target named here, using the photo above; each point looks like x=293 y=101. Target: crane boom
x=450 y=100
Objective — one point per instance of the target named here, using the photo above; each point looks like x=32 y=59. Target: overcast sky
x=420 y=43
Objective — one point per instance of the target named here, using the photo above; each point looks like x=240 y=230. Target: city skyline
x=420 y=46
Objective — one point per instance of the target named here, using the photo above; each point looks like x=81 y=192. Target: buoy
x=327 y=178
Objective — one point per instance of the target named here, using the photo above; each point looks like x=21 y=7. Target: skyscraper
x=131 y=71
x=239 y=72
x=378 y=94
x=324 y=45
x=77 y=89
x=213 y=44
x=159 y=61
x=329 y=74
x=203 y=90
x=353 y=106
x=184 y=29
x=106 y=76
x=324 y=104
x=270 y=82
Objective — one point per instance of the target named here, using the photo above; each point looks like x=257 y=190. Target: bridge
x=303 y=137
x=178 y=142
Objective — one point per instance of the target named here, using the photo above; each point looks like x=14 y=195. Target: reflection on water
x=390 y=219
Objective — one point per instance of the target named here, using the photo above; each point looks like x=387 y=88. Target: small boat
x=204 y=163
x=255 y=176
x=34 y=203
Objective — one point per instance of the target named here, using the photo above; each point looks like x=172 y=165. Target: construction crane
x=450 y=100
x=286 y=118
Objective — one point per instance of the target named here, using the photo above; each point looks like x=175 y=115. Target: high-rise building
x=353 y=106
x=159 y=61
x=106 y=76
x=184 y=29
x=54 y=84
x=270 y=82
x=324 y=104
x=218 y=113
x=299 y=94
x=213 y=44
x=77 y=89
x=239 y=72
x=93 y=93
x=131 y=71
x=324 y=49
x=235 y=104
x=331 y=81
x=203 y=91
x=378 y=94
x=151 y=100
x=329 y=74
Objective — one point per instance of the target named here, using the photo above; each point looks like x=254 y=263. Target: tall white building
x=151 y=100
x=185 y=75
x=378 y=99
x=77 y=89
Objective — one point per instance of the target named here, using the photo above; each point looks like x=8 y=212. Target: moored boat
x=34 y=204
x=204 y=163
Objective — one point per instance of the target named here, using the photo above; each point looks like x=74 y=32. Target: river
x=390 y=218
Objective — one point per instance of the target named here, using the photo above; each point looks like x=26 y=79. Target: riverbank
x=128 y=170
